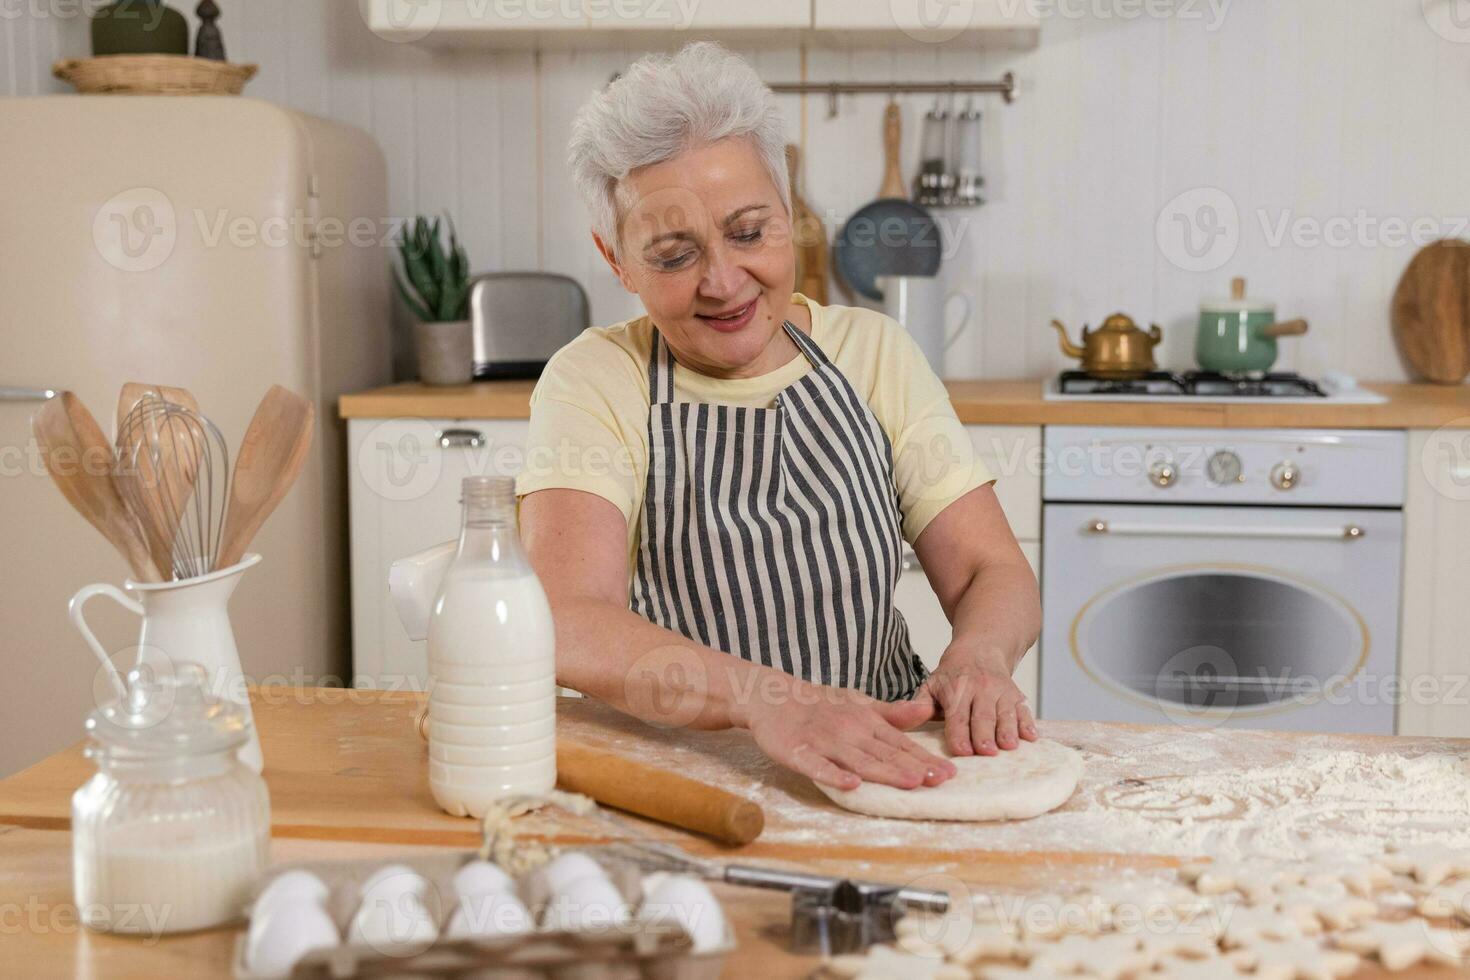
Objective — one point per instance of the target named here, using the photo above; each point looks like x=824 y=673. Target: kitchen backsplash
x=1146 y=160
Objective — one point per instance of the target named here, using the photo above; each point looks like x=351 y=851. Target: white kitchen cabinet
x=609 y=23
x=1434 y=668
x=404 y=479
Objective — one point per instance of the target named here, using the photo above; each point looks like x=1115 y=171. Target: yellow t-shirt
x=589 y=412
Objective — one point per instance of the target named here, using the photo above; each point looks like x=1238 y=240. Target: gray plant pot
x=445 y=352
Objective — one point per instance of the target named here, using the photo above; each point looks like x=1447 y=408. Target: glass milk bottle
x=492 y=663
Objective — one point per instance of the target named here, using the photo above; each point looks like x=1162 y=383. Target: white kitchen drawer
x=404 y=486
x=1013 y=455
x=929 y=630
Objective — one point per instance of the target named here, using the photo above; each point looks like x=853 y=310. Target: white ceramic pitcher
x=921 y=304
x=187 y=620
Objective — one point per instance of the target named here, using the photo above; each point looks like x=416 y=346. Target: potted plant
x=435 y=283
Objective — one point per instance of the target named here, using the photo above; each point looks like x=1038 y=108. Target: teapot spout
x=1068 y=348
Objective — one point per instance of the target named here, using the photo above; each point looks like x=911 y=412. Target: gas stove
x=1163 y=386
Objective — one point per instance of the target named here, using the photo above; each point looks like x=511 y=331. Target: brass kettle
x=1119 y=350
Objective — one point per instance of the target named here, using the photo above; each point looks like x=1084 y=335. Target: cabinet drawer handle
x=461 y=439
x=12 y=393
x=909 y=561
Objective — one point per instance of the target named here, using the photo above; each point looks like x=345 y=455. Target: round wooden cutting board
x=1431 y=312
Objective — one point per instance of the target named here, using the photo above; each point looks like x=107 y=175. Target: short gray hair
x=661 y=106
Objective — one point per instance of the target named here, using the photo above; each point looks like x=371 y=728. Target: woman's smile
x=731 y=318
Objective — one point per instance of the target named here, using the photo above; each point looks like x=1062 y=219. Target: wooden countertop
x=347 y=779
x=1409 y=406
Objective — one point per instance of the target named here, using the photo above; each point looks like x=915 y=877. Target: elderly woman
x=717 y=492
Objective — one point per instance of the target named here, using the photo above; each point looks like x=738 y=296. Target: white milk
x=169 y=881
x=492 y=664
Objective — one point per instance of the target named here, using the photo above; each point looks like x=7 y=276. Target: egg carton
x=637 y=950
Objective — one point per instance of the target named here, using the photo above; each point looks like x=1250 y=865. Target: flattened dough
x=1016 y=784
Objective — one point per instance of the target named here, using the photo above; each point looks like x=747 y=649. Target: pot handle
x=1288 y=328
x=965 y=318
x=74 y=613
x=1155 y=332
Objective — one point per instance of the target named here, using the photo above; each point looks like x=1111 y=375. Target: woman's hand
x=982 y=706
x=841 y=737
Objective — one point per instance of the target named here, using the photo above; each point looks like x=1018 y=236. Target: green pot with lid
x=1237 y=336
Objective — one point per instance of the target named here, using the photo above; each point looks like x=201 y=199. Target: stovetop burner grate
x=1282 y=384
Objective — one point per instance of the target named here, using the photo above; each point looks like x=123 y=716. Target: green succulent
x=434 y=282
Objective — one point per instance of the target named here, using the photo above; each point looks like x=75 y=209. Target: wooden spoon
x=160 y=460
x=79 y=458
x=270 y=458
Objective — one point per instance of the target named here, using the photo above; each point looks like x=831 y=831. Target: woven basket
x=153 y=74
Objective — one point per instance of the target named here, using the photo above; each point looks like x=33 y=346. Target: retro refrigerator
x=222 y=244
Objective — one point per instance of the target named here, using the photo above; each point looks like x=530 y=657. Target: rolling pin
x=626 y=784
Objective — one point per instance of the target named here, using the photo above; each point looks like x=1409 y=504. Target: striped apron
x=774 y=534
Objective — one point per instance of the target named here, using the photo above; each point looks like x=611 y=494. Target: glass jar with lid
x=173 y=831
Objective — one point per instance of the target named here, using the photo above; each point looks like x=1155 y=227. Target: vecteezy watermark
x=1211 y=13
x=401 y=20
x=36 y=917
x=149 y=14
x=136 y=229
x=1450 y=19
x=1445 y=460
x=1199 y=230
x=414 y=20
x=1202 y=228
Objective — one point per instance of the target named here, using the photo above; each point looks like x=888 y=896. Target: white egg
x=294 y=886
x=394 y=879
x=689 y=903
x=396 y=925
x=587 y=904
x=482 y=878
x=281 y=937
x=484 y=916
x=568 y=868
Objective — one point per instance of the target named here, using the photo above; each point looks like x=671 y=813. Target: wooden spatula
x=78 y=456
x=161 y=463
x=270 y=458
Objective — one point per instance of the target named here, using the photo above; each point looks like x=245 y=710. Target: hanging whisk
x=172 y=469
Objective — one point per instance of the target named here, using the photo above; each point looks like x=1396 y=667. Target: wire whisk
x=172 y=469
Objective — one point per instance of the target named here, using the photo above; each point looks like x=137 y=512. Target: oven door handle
x=1349 y=532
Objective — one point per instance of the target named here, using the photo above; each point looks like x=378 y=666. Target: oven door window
x=1208 y=640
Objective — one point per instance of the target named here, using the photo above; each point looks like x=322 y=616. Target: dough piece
x=1450 y=900
x=1329 y=901
x=962 y=938
x=1362 y=875
x=1108 y=956
x=1053 y=916
x=1399 y=945
x=1430 y=864
x=1023 y=782
x=887 y=963
x=1246 y=925
x=1298 y=959
x=1214 y=968
x=1032 y=972
x=1184 y=942
x=1256 y=879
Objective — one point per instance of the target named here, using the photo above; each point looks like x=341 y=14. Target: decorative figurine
x=208 y=43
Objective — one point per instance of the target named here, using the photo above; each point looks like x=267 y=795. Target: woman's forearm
x=998 y=616
x=615 y=655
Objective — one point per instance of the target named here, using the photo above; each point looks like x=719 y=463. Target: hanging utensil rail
x=1005 y=88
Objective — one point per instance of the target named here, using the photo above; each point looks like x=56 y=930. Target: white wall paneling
x=1293 y=110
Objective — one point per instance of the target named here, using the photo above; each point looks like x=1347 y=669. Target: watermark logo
x=136 y=230
x=1450 y=19
x=401 y=21
x=932 y=21
x=1445 y=460
x=1199 y=230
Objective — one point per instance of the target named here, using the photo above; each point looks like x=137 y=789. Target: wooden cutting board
x=1431 y=312
x=809 y=238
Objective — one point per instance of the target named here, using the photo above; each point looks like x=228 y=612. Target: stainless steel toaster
x=521 y=318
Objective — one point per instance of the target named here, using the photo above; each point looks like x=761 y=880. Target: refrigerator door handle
x=13 y=393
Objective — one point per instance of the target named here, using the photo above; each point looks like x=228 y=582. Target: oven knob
x=1163 y=473
x=1285 y=475
x=1225 y=467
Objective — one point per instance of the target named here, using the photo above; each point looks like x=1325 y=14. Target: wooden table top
x=347 y=779
x=1010 y=402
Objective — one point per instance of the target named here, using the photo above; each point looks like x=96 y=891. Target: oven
x=1222 y=577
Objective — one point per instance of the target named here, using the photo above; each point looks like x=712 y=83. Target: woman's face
x=706 y=244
